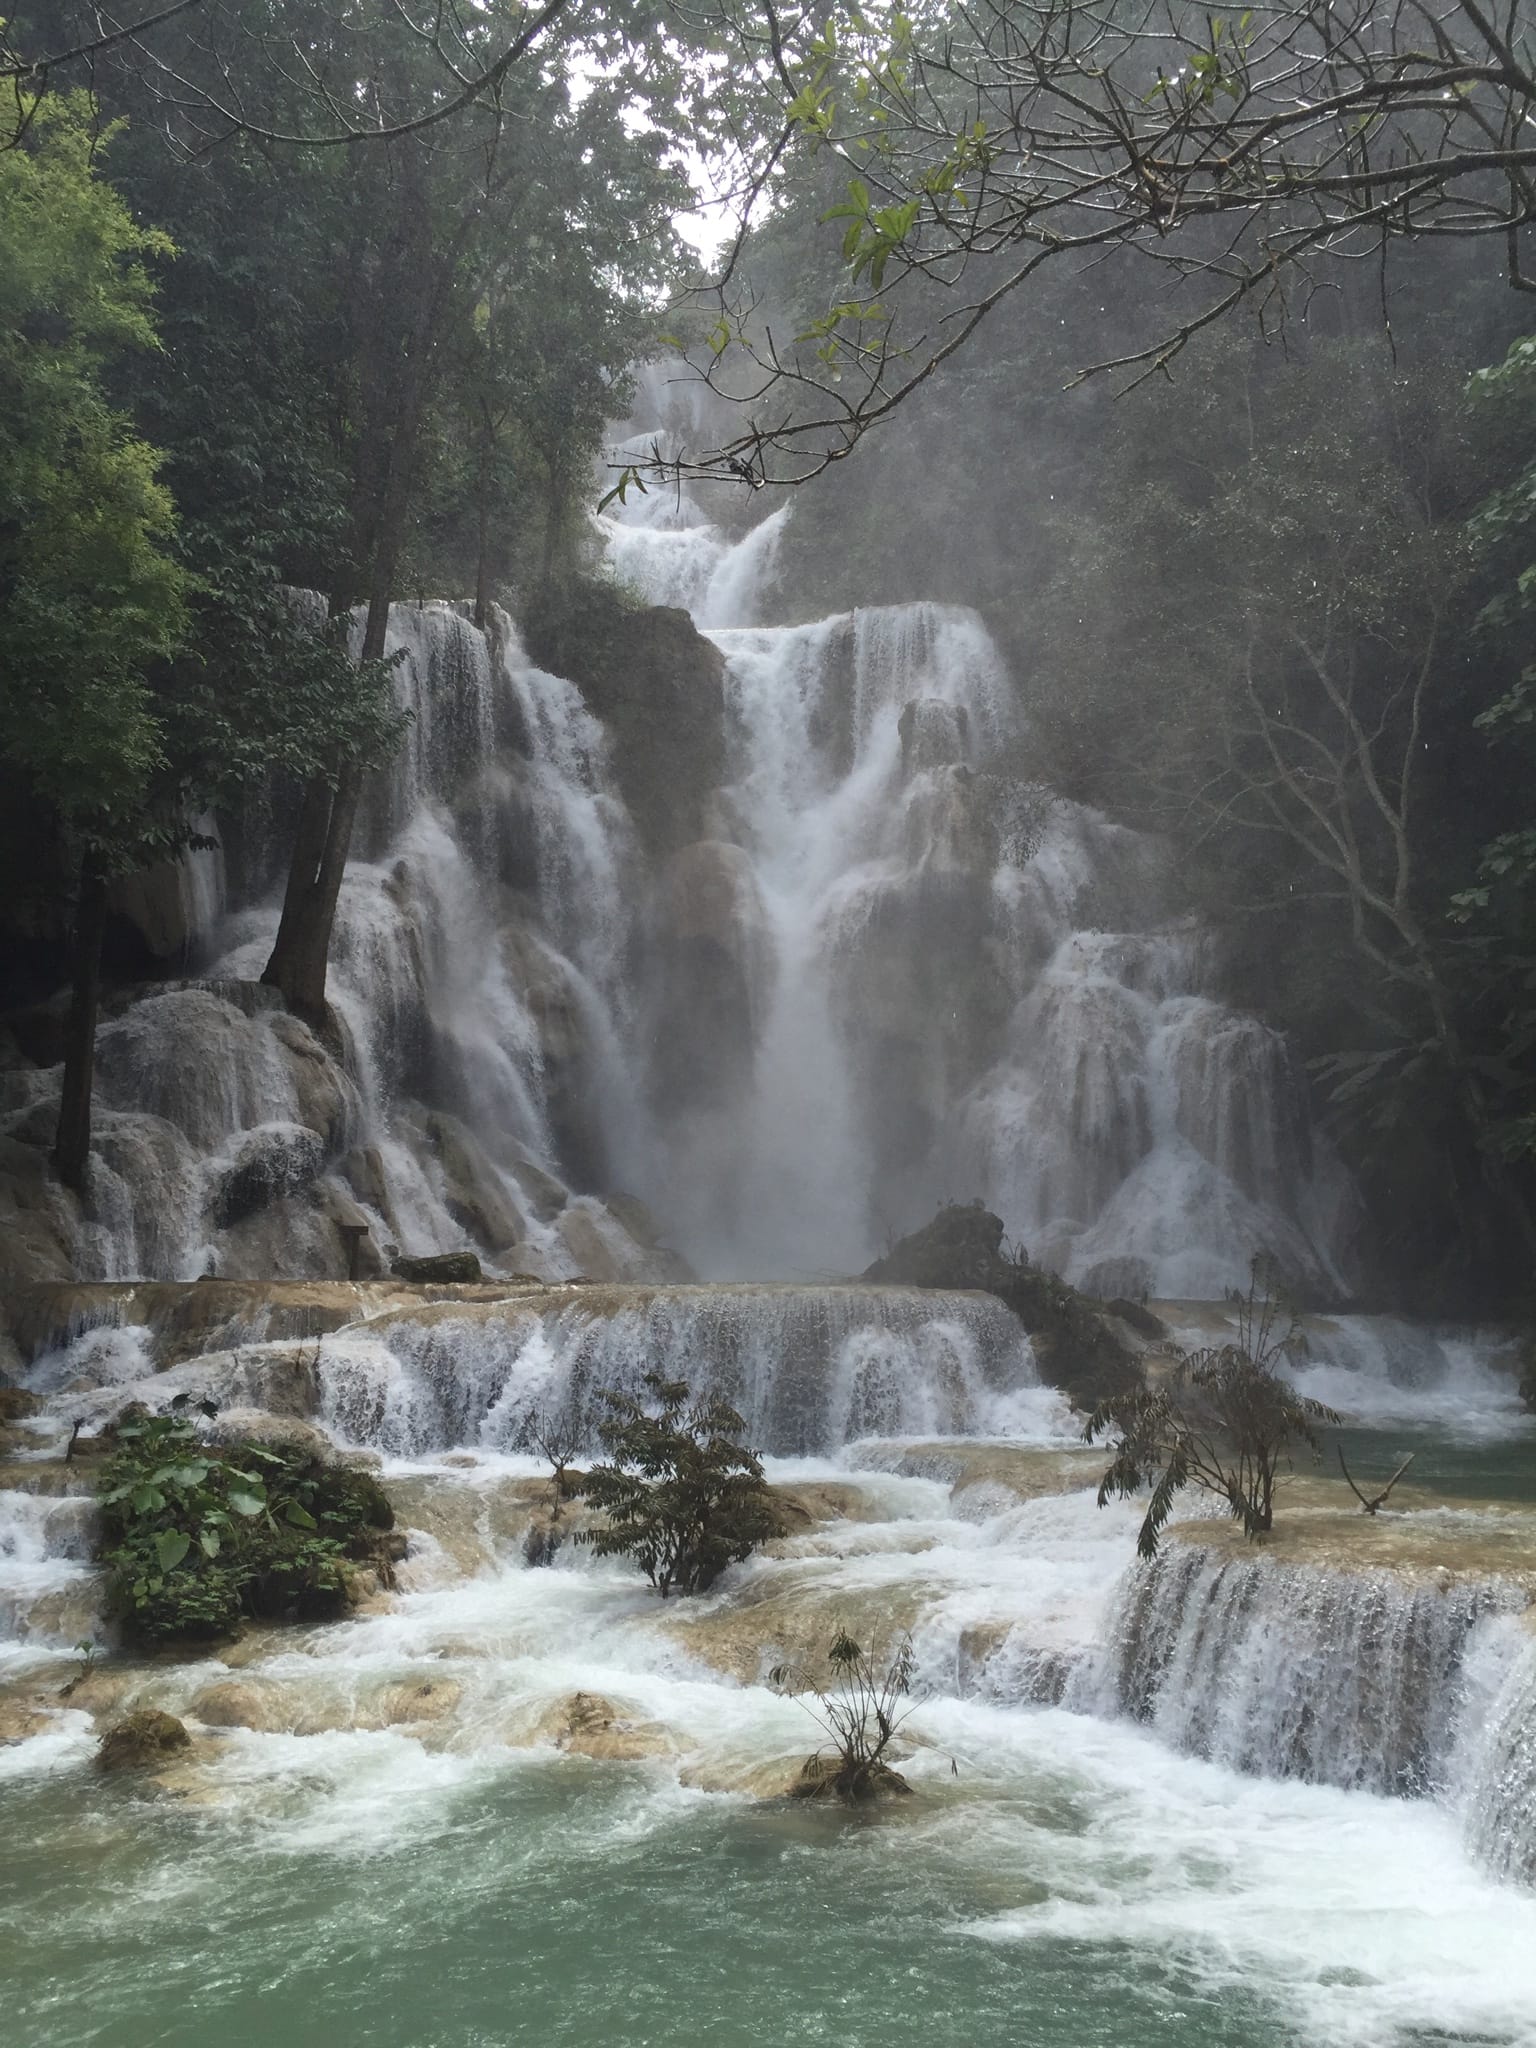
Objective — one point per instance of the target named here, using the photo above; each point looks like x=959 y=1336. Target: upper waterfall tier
x=732 y=954
x=942 y=980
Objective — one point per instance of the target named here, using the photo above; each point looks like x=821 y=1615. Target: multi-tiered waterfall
x=925 y=978
x=1284 y=1795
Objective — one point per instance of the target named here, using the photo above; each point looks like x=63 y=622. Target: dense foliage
x=681 y=1494
x=90 y=591
x=195 y=1539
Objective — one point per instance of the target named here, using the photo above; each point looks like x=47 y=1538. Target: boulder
x=235 y=1426
x=860 y=1784
x=438 y=1267
x=658 y=686
x=587 y=1724
x=145 y=1737
x=20 y=1719
x=267 y=1164
x=1076 y=1346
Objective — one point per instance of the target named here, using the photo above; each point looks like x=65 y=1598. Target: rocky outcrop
x=658 y=686
x=147 y=1737
x=712 y=959
x=1076 y=1347
x=449 y=1266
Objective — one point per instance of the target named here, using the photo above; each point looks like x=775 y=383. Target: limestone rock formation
x=1075 y=1345
x=460 y=1266
x=656 y=683
x=145 y=1737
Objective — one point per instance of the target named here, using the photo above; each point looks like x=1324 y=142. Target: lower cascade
x=1348 y=1707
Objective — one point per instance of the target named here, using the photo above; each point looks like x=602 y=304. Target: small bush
x=857 y=1705
x=682 y=1496
x=194 y=1540
x=1223 y=1420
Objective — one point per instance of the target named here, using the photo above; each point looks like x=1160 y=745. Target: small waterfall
x=1498 y=1758
x=1347 y=1677
x=810 y=1369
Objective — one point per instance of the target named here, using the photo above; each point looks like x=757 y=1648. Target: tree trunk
x=72 y=1142
x=483 y=536
x=324 y=836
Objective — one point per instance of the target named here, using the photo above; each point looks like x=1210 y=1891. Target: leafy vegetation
x=1221 y=1419
x=681 y=1494
x=857 y=1701
x=195 y=1539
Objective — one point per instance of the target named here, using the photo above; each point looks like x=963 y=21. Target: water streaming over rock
x=1497 y=1759
x=1346 y=1677
x=953 y=983
x=810 y=1369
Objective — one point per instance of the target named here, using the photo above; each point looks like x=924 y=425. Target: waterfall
x=1347 y=1677
x=1498 y=1757
x=810 y=1369
x=960 y=985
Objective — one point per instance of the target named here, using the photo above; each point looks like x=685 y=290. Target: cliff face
x=658 y=686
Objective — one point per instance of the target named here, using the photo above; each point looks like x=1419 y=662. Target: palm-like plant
x=1222 y=1419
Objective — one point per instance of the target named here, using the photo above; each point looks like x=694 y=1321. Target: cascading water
x=809 y=1369
x=957 y=984
x=1343 y=1677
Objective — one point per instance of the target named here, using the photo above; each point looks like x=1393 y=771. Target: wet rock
x=145 y=1737
x=98 y=1692
x=1075 y=1346
x=20 y=1719
x=439 y=1266
x=16 y=1404
x=268 y=1165
x=545 y=1195
x=862 y=1784
x=242 y=1703
x=658 y=686
x=477 y=1196
x=588 y=1724
x=235 y=1426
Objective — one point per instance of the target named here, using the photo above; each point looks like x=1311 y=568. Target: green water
x=530 y=1911
x=1073 y=1886
x=1479 y=1468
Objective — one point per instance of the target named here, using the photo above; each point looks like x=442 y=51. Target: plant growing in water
x=555 y=1440
x=858 y=1706
x=682 y=1495
x=194 y=1538
x=1222 y=1419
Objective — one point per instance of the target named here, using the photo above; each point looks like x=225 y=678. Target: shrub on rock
x=195 y=1538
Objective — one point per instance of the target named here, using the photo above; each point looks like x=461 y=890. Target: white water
x=962 y=986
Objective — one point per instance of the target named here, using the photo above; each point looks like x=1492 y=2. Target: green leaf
x=300 y=1517
x=171 y=1546
x=210 y=1541
x=247 y=1504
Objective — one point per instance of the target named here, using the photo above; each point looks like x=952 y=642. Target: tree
x=1497 y=913
x=982 y=145
x=214 y=70
x=682 y=1496
x=858 y=1707
x=1222 y=1420
x=90 y=592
